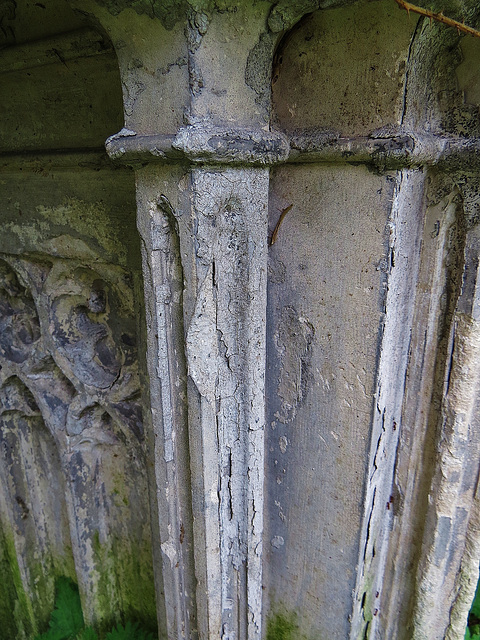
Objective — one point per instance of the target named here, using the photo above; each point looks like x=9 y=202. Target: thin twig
x=277 y=226
x=439 y=17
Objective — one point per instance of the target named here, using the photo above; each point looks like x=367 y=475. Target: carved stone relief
x=79 y=332
x=68 y=359
x=32 y=484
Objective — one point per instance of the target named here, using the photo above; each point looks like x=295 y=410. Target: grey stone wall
x=238 y=312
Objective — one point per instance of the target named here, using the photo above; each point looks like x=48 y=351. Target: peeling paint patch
x=201 y=342
x=293 y=340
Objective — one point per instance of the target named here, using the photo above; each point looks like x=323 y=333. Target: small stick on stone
x=273 y=239
x=439 y=17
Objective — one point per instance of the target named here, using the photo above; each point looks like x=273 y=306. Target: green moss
x=368 y=600
x=125 y=578
x=67 y=623
x=105 y=586
x=124 y=588
x=473 y=628
x=13 y=599
x=27 y=590
x=282 y=626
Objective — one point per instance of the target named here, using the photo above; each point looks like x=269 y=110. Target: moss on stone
x=16 y=612
x=128 y=574
x=282 y=626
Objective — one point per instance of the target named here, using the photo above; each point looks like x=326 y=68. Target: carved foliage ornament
x=68 y=332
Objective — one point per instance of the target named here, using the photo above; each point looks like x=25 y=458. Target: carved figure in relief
x=80 y=331
x=92 y=330
x=78 y=350
x=19 y=324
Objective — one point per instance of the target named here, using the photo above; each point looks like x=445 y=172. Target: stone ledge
x=44 y=160
x=201 y=145
x=208 y=145
x=256 y=149
x=393 y=151
x=81 y=43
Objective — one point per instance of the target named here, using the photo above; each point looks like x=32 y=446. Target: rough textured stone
x=69 y=357
x=324 y=318
x=355 y=129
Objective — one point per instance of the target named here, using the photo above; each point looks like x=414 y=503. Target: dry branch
x=439 y=17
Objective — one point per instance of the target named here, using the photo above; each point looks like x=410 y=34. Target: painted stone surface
x=325 y=313
x=363 y=520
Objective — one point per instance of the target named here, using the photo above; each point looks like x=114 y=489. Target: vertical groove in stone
x=405 y=223
x=163 y=294
x=452 y=521
x=467 y=578
x=408 y=582
x=453 y=487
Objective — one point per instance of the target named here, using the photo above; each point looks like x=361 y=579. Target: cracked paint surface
x=224 y=351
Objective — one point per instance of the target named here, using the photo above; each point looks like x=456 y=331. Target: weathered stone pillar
x=203 y=224
x=226 y=360
x=354 y=374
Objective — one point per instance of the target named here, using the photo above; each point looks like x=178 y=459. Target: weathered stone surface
x=73 y=448
x=159 y=217
x=69 y=356
x=382 y=501
x=338 y=72
x=324 y=318
x=49 y=79
x=35 y=528
x=371 y=523
x=225 y=357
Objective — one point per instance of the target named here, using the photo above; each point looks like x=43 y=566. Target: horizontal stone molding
x=201 y=145
x=252 y=148
x=396 y=151
x=42 y=161
x=80 y=43
x=128 y=147
x=207 y=145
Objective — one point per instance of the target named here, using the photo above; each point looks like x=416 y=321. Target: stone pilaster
x=202 y=194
